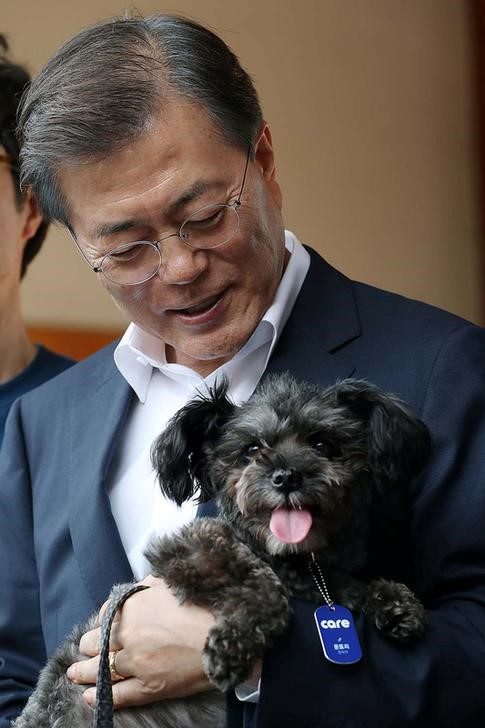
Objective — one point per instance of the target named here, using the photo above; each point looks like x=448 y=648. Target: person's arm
x=22 y=652
x=439 y=682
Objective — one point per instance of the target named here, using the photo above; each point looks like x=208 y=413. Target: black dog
x=294 y=471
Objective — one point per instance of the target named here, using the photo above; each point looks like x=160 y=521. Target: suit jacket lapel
x=323 y=320
x=94 y=428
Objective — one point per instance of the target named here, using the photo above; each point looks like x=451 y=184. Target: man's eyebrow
x=107 y=229
x=199 y=188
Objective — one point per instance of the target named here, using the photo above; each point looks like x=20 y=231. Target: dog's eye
x=320 y=446
x=327 y=449
x=252 y=449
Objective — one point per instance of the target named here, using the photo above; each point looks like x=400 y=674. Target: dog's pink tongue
x=290 y=525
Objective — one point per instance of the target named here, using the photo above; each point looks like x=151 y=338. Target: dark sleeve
x=440 y=681
x=22 y=652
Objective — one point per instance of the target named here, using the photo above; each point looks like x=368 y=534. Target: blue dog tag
x=338 y=635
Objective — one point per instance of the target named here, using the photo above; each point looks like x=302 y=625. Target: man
x=145 y=138
x=22 y=231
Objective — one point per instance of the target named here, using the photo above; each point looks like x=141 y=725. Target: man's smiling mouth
x=201 y=312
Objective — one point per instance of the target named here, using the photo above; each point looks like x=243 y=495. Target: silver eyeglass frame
x=119 y=248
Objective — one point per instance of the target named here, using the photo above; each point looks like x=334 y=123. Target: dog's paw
x=229 y=655
x=395 y=610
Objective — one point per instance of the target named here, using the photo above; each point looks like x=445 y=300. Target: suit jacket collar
x=323 y=320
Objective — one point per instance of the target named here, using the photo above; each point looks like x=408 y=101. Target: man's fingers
x=84 y=672
x=125 y=693
x=89 y=644
x=90 y=641
x=103 y=609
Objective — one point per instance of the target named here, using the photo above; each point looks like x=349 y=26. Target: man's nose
x=181 y=264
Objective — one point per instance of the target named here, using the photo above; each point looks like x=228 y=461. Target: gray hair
x=103 y=87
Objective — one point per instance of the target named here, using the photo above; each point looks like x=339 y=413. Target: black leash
x=103 y=716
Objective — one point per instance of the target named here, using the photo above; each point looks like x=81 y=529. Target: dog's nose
x=286 y=479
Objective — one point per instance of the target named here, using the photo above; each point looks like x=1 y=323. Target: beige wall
x=370 y=102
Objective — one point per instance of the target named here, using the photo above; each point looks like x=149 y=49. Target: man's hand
x=159 y=645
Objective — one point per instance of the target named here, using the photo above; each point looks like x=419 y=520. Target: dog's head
x=290 y=460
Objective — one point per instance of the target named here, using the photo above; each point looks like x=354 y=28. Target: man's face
x=203 y=304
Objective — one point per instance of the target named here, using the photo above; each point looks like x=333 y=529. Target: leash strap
x=103 y=716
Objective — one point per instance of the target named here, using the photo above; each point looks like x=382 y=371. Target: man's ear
x=32 y=216
x=264 y=159
x=182 y=453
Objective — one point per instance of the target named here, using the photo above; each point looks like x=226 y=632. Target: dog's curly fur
x=292 y=446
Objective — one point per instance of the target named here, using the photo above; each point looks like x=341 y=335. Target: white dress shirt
x=140 y=510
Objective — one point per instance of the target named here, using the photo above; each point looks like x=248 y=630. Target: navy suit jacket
x=60 y=551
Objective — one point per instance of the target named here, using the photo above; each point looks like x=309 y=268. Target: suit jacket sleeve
x=440 y=681
x=22 y=652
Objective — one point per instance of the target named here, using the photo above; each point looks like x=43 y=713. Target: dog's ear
x=398 y=442
x=181 y=454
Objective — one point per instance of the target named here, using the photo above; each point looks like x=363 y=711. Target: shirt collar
x=139 y=353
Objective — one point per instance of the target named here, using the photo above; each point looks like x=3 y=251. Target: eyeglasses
x=212 y=226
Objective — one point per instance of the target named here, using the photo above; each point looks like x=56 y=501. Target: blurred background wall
x=373 y=110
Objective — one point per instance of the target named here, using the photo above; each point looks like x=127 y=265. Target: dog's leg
x=246 y=625
x=395 y=610
x=206 y=564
